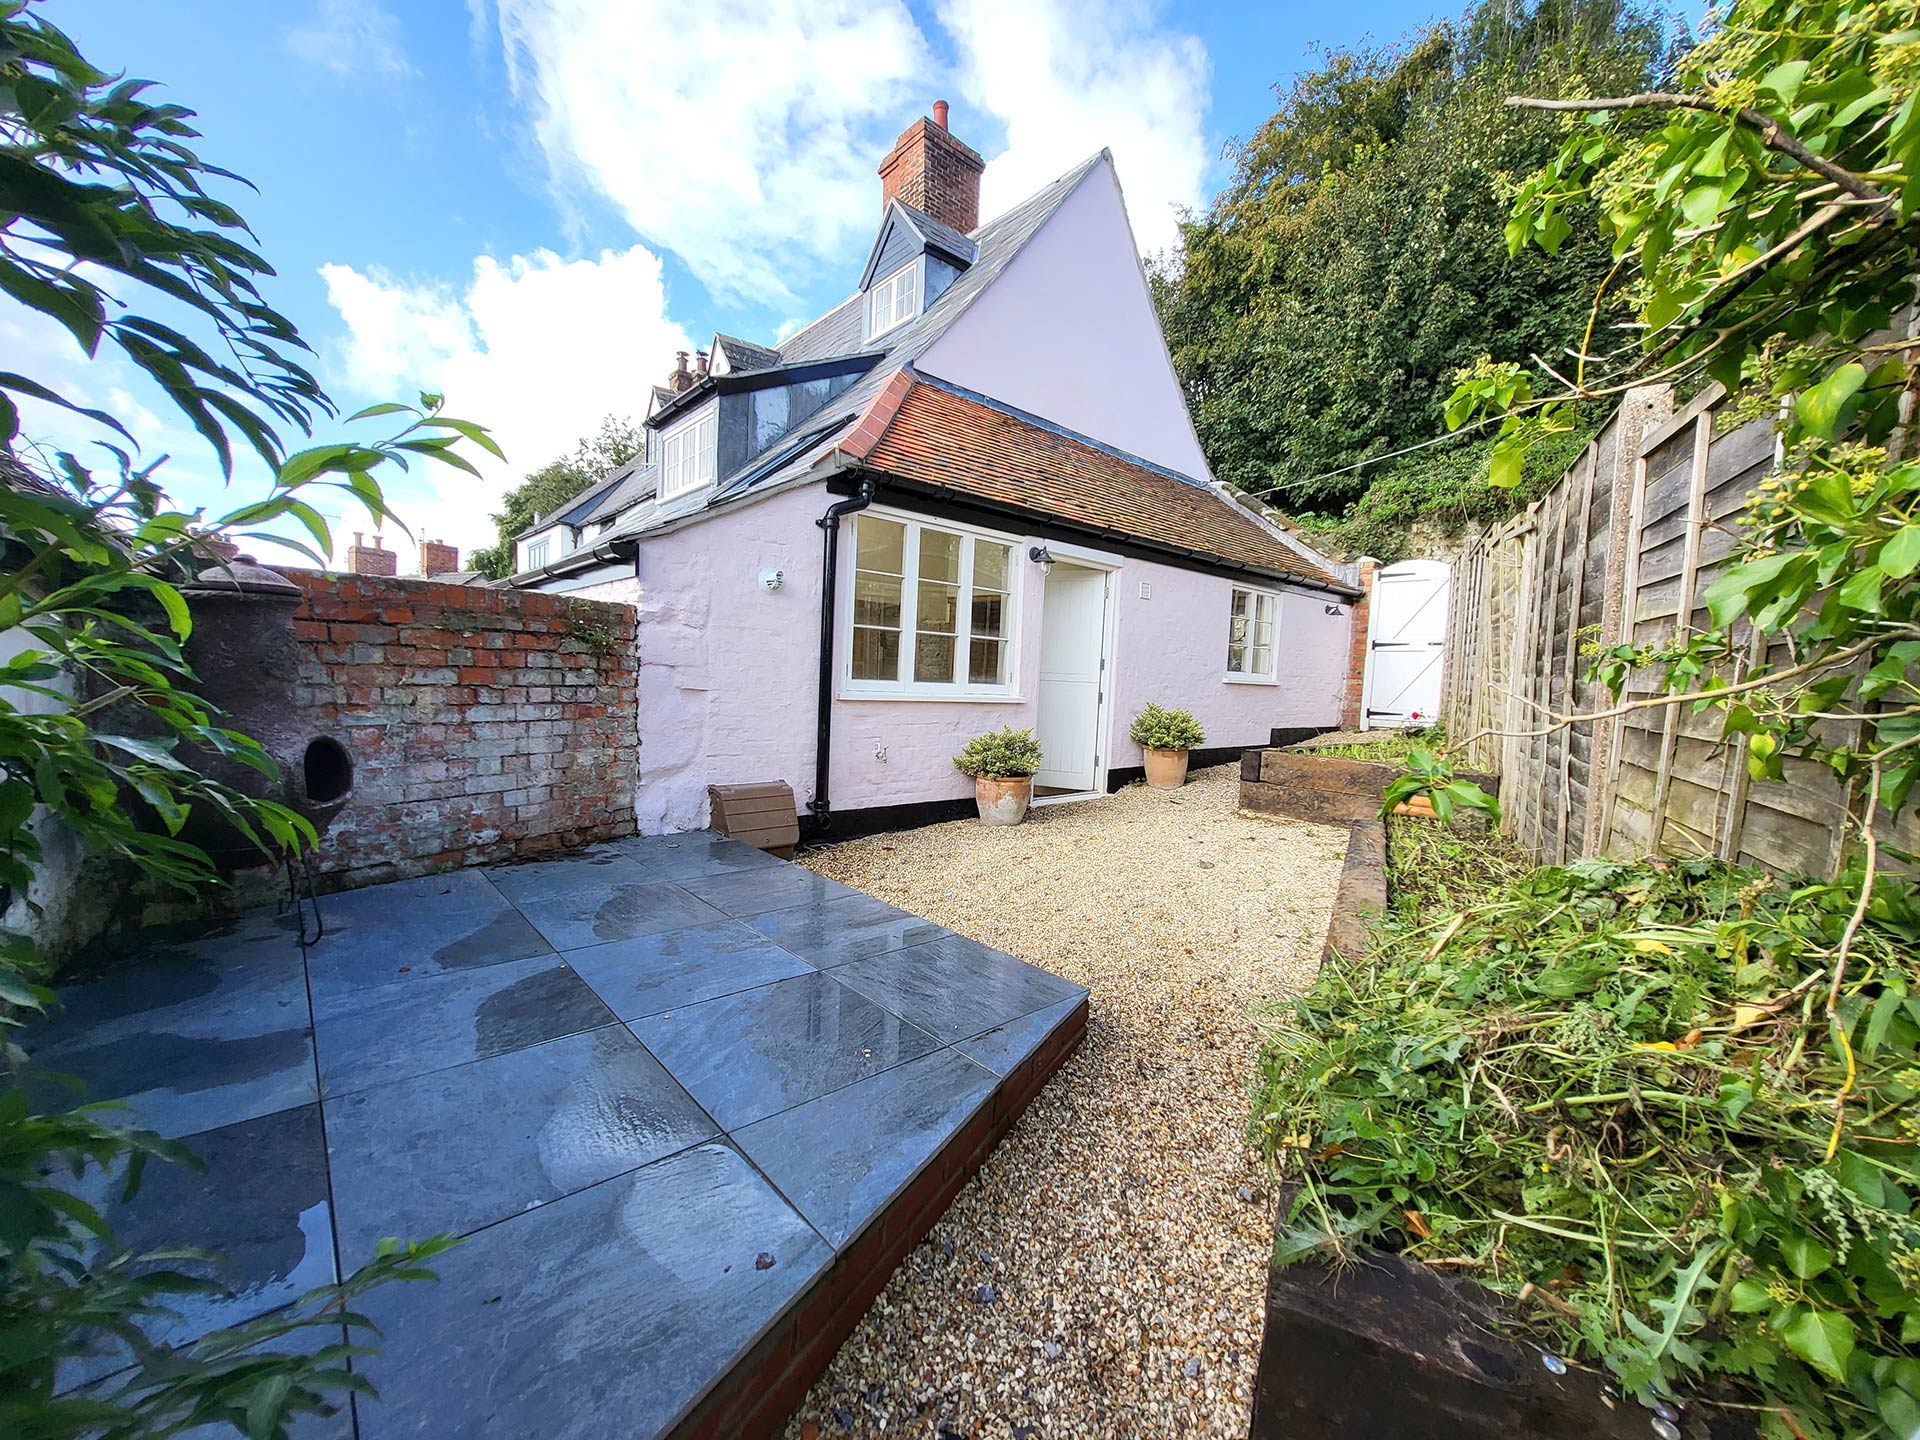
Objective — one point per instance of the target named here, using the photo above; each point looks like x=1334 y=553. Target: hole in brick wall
x=328 y=770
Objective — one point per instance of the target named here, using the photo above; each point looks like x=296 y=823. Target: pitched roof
x=744 y=354
x=841 y=332
x=930 y=435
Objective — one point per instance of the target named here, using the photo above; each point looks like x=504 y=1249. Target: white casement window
x=536 y=553
x=687 y=454
x=1251 y=624
x=932 y=611
x=893 y=301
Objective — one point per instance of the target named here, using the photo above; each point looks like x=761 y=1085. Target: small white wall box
x=1146 y=589
x=772 y=578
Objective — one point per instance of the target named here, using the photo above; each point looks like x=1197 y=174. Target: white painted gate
x=1406 y=641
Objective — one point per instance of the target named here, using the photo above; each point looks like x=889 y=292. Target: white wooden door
x=1406 y=639
x=1072 y=636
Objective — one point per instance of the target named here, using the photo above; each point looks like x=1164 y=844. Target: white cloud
x=744 y=135
x=738 y=133
x=1140 y=91
x=536 y=348
x=352 y=38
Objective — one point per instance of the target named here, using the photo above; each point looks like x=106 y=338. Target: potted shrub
x=1001 y=763
x=1166 y=736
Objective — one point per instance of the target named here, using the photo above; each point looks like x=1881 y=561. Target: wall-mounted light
x=1042 y=557
x=1335 y=610
x=772 y=578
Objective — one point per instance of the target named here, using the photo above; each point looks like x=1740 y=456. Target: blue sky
x=530 y=204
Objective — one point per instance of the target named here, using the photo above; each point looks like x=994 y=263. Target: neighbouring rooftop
x=670 y=1091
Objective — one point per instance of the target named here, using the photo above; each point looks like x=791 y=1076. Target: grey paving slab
x=748 y=1055
x=755 y=892
x=651 y=973
x=956 y=987
x=601 y=1315
x=461 y=1148
x=687 y=857
x=851 y=927
x=415 y=929
x=595 y=869
x=370 y=1037
x=611 y=908
x=1005 y=1046
x=200 y=1030
x=259 y=1208
x=842 y=1157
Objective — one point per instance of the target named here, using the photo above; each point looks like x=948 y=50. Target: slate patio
x=665 y=1087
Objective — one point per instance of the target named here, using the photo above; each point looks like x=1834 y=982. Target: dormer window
x=687 y=455
x=895 y=300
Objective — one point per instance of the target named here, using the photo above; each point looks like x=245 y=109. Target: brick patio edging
x=763 y=1388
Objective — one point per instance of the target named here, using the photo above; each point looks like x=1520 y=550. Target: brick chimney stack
x=371 y=560
x=680 y=378
x=438 y=558
x=931 y=171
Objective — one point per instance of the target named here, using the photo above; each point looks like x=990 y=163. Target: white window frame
x=910 y=277
x=688 y=452
x=852 y=689
x=1253 y=677
x=536 y=553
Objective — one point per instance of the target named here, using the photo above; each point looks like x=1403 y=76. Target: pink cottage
x=969 y=495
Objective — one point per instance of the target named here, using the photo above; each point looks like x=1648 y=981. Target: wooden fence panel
x=1621 y=550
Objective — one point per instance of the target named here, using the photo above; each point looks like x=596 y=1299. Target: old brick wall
x=484 y=724
x=1350 y=716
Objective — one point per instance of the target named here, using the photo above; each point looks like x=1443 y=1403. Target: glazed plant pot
x=1166 y=769
x=1003 y=800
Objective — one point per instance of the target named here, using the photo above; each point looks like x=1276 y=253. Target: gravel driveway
x=1104 y=1273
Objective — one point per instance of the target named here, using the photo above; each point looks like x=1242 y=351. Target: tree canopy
x=555 y=483
x=1319 y=310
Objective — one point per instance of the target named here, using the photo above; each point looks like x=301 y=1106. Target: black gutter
x=819 y=806
x=967 y=508
x=605 y=553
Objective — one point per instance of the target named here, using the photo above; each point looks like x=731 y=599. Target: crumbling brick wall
x=484 y=724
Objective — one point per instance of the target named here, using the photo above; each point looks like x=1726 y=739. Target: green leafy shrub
x=103 y=206
x=1000 y=753
x=1609 y=1084
x=1160 y=729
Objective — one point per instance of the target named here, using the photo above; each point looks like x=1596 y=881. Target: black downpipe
x=820 y=807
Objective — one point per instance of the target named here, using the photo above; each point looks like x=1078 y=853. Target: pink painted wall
x=727 y=669
x=1068 y=331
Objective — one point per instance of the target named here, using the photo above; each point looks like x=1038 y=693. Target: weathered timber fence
x=1620 y=551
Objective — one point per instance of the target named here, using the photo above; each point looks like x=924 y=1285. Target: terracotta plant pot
x=1003 y=800
x=1166 y=769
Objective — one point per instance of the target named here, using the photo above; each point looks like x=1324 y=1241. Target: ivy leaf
x=1819 y=407
x=1702 y=204
x=1805 y=1256
x=1749 y=1297
x=1862 y=592
x=1900 y=556
x=1822 y=1338
x=1783 y=80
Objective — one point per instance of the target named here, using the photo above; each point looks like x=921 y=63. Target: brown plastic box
x=760 y=815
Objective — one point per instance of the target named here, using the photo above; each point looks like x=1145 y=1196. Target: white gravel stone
x=1123 y=1223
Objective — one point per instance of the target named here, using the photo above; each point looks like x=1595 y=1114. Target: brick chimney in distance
x=438 y=558
x=371 y=560
x=931 y=171
x=680 y=378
